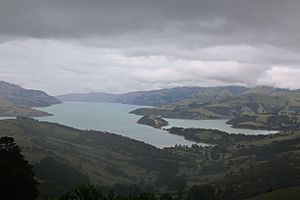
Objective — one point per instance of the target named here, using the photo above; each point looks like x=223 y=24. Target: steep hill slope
x=288 y=193
x=269 y=108
x=17 y=95
x=243 y=166
x=251 y=104
x=105 y=157
x=17 y=101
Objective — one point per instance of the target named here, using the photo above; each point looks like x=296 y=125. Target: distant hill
x=160 y=97
x=261 y=107
x=17 y=101
x=88 y=97
x=252 y=103
x=258 y=108
x=267 y=90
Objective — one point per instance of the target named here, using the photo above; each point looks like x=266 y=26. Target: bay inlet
x=115 y=118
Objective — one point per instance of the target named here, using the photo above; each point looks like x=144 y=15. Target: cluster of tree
x=16 y=175
x=278 y=173
x=90 y=192
x=212 y=136
x=57 y=177
x=18 y=180
x=283 y=122
x=102 y=161
x=268 y=152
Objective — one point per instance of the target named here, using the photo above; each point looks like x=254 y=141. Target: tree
x=57 y=177
x=205 y=192
x=165 y=197
x=90 y=192
x=17 y=178
x=7 y=144
x=84 y=192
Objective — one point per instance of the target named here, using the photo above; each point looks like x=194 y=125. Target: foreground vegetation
x=232 y=167
x=17 y=179
x=288 y=193
x=105 y=158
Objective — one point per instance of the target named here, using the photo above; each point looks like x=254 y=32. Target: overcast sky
x=63 y=46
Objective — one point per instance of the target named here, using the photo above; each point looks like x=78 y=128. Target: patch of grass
x=284 y=194
x=89 y=151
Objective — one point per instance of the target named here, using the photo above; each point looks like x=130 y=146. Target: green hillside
x=9 y=110
x=267 y=109
x=284 y=194
x=17 y=101
x=253 y=104
x=260 y=111
x=106 y=159
x=160 y=97
x=242 y=166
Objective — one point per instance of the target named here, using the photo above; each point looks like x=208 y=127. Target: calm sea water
x=2 y=118
x=115 y=118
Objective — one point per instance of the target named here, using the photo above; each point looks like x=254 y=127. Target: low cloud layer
x=126 y=45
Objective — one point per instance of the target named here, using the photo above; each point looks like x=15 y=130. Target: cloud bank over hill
x=127 y=45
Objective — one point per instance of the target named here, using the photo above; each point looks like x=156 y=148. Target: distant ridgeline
x=17 y=101
x=158 y=97
x=256 y=108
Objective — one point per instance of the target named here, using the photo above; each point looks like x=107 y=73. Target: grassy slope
x=278 y=110
x=249 y=104
x=179 y=113
x=232 y=153
x=106 y=158
x=17 y=101
x=288 y=194
x=9 y=110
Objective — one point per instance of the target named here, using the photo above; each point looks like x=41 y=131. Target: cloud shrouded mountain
x=126 y=45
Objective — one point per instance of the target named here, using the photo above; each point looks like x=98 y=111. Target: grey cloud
x=126 y=45
x=59 y=67
x=173 y=21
